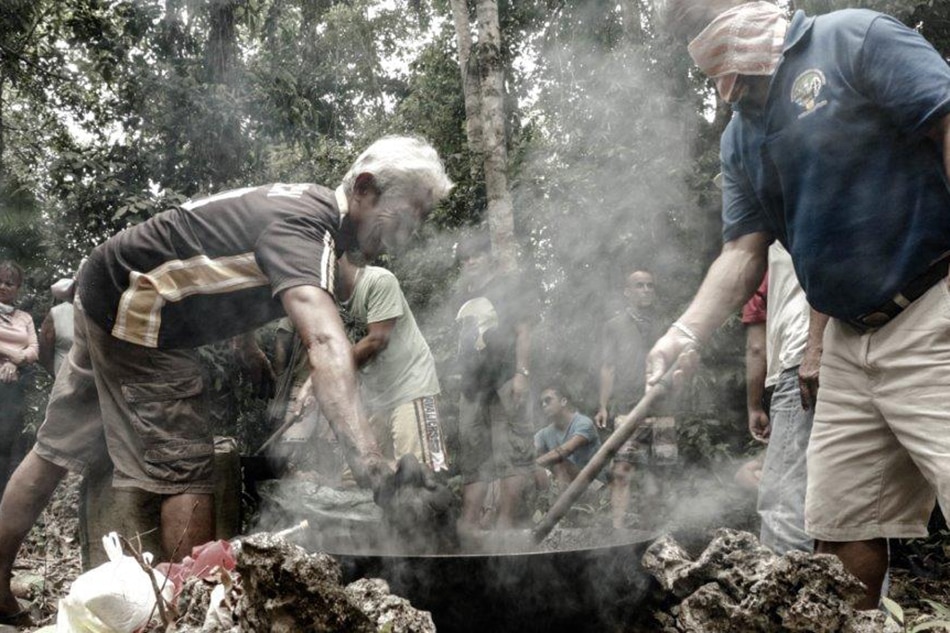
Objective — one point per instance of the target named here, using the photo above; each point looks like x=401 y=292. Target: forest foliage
x=113 y=110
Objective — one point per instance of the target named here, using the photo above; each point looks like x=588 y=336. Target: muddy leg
x=28 y=492
x=511 y=503
x=473 y=498
x=867 y=560
x=187 y=521
x=620 y=492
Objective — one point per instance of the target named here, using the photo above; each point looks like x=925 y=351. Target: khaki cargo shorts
x=879 y=451
x=147 y=407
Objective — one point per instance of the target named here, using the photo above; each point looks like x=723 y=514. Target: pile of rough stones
x=285 y=589
x=736 y=584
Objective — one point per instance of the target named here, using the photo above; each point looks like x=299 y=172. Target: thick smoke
x=602 y=189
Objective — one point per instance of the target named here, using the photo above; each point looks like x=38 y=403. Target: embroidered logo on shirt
x=806 y=90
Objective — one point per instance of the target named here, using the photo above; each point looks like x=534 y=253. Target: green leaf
x=940 y=610
x=894 y=610
x=930 y=624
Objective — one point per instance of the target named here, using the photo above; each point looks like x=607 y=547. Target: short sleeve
x=384 y=299
x=741 y=211
x=903 y=74
x=298 y=251
x=755 y=309
x=584 y=427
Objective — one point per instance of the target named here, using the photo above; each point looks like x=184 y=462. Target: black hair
x=558 y=386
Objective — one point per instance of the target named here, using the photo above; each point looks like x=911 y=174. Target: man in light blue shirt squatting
x=839 y=149
x=569 y=440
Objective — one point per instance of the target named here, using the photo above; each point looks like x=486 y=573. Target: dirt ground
x=50 y=560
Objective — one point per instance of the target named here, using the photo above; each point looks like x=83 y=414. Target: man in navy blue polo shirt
x=838 y=148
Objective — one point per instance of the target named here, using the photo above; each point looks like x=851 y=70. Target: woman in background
x=18 y=349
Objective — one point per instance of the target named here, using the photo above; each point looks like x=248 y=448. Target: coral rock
x=738 y=585
x=288 y=590
x=390 y=613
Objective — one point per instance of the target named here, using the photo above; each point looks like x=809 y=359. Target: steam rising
x=602 y=189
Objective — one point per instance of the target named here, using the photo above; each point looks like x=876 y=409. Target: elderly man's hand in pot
x=419 y=512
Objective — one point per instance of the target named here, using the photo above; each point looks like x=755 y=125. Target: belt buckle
x=875 y=319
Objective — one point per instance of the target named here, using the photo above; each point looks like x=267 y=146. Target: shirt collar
x=797 y=29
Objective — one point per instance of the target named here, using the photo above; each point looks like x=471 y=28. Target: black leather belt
x=911 y=292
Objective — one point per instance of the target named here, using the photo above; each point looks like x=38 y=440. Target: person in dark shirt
x=627 y=338
x=205 y=271
x=495 y=430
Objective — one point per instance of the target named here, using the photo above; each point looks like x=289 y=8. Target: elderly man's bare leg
x=865 y=559
x=187 y=521
x=29 y=490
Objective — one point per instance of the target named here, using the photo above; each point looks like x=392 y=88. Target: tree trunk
x=491 y=72
x=631 y=12
x=470 y=82
x=2 y=80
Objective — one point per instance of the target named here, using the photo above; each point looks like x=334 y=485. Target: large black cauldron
x=590 y=588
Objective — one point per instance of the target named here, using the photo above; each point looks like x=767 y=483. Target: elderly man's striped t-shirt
x=213 y=268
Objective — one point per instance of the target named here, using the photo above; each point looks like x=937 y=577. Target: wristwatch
x=523 y=371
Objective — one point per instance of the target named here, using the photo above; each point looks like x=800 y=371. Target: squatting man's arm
x=562 y=452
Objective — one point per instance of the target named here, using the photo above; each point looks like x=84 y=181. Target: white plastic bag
x=115 y=597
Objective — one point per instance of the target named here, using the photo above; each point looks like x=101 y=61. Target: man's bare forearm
x=731 y=280
x=333 y=378
x=332 y=370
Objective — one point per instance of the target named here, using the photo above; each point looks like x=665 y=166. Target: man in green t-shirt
x=397 y=371
x=398 y=380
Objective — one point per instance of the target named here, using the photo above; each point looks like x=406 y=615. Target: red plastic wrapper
x=204 y=560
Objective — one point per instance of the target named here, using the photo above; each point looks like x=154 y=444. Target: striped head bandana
x=745 y=40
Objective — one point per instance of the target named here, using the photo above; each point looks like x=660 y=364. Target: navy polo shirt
x=837 y=165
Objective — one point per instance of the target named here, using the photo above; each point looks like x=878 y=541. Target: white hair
x=400 y=165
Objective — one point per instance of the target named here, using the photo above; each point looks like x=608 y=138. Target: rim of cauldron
x=643 y=537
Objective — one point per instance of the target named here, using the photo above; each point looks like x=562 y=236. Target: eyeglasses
x=649 y=285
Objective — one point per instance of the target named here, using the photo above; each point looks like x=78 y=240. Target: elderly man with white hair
x=840 y=149
x=212 y=269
